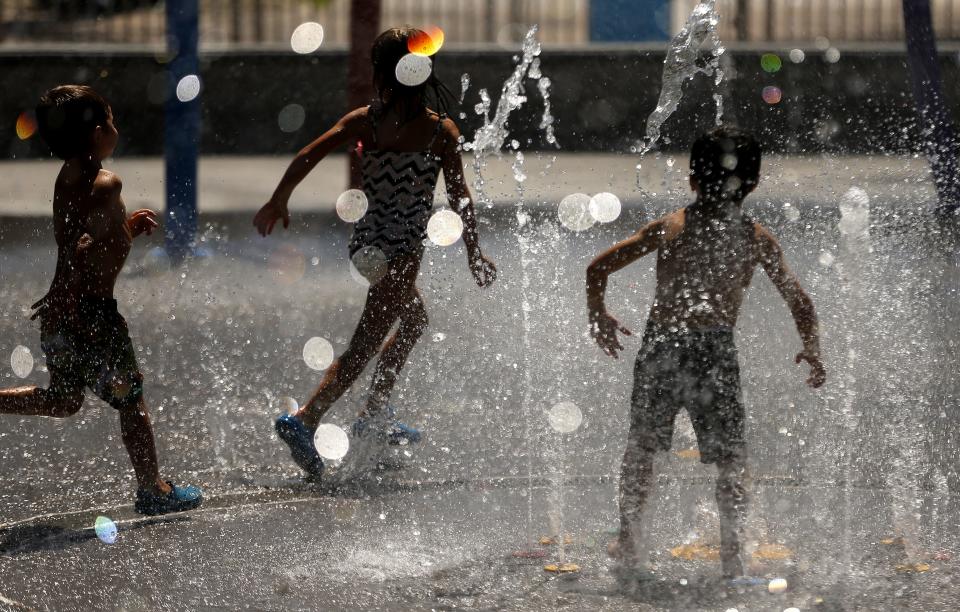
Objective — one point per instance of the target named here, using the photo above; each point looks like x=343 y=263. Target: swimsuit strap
x=372 y=115
x=436 y=131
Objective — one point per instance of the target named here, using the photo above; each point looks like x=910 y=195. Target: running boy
x=404 y=145
x=706 y=255
x=86 y=341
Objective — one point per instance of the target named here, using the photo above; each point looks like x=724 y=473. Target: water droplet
x=413 y=70
x=826 y=259
x=307 y=37
x=565 y=417
x=604 y=207
x=352 y=205
x=439 y=337
x=574 y=212
x=797 y=56
x=318 y=353
x=777 y=585
x=21 y=360
x=444 y=227
x=683 y=582
x=105 y=529
x=188 y=88
x=331 y=441
x=291 y=117
x=370 y=264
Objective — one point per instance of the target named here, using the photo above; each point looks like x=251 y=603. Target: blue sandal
x=395 y=432
x=179 y=499
x=299 y=438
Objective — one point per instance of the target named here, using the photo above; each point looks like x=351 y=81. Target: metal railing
x=270 y=22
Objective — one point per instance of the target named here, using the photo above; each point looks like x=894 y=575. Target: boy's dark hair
x=388 y=48
x=67 y=116
x=726 y=164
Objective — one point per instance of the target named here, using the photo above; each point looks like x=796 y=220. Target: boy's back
x=706 y=255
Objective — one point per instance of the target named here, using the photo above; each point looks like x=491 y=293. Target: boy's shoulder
x=106 y=184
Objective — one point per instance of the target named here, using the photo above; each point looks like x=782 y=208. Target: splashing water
x=681 y=65
x=492 y=135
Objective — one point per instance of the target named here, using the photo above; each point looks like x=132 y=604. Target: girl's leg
x=379 y=314
x=137 y=434
x=413 y=321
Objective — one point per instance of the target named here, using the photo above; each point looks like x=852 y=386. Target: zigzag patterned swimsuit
x=399 y=187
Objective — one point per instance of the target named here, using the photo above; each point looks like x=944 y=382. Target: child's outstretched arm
x=340 y=134
x=603 y=326
x=484 y=272
x=801 y=306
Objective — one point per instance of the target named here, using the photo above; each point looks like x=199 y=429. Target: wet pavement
x=855 y=487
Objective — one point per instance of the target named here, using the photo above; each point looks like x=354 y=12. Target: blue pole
x=936 y=125
x=181 y=128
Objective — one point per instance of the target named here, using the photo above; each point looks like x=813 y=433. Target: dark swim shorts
x=696 y=370
x=97 y=355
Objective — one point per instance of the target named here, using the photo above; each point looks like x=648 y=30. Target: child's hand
x=484 y=272
x=142 y=221
x=267 y=216
x=604 y=328
x=818 y=374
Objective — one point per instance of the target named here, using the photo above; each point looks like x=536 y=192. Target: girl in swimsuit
x=403 y=146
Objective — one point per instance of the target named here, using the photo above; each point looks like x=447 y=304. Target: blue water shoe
x=299 y=438
x=179 y=499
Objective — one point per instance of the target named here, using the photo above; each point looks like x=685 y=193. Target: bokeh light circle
x=826 y=259
x=772 y=94
x=105 y=529
x=444 y=227
x=426 y=42
x=156 y=261
x=331 y=441
x=413 y=70
x=777 y=585
x=574 y=212
x=21 y=361
x=771 y=62
x=565 y=417
x=832 y=55
x=289 y=405
x=26 y=125
x=287 y=263
x=291 y=117
x=791 y=212
x=797 y=56
x=370 y=263
x=306 y=38
x=318 y=353
x=188 y=88
x=604 y=207
x=352 y=205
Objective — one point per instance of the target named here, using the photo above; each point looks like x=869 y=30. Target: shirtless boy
x=706 y=255
x=86 y=341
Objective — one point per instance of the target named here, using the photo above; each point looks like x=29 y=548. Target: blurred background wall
x=838 y=81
